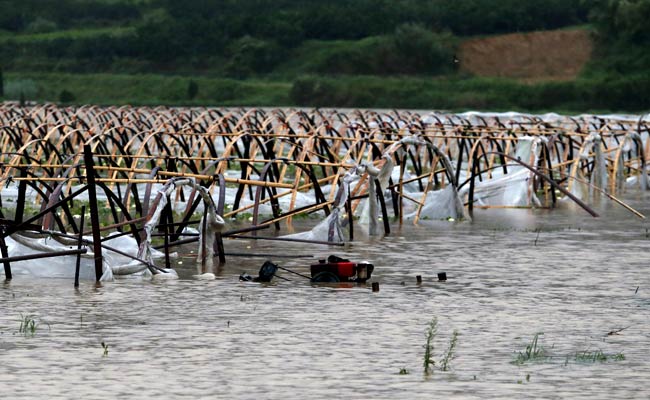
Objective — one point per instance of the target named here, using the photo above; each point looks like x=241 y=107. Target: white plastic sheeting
x=514 y=189
x=115 y=264
x=331 y=228
x=64 y=266
x=439 y=204
x=210 y=224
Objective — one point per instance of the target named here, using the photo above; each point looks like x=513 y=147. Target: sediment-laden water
x=511 y=274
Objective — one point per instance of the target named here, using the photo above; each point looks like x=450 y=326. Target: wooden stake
x=5 y=253
x=81 y=236
x=94 y=212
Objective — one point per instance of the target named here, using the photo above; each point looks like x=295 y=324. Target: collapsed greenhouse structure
x=115 y=189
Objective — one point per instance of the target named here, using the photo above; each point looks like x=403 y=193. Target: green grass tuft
x=29 y=324
x=533 y=352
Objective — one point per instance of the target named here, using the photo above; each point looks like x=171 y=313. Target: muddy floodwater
x=581 y=283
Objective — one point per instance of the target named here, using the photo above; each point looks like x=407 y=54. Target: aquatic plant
x=404 y=371
x=533 y=352
x=597 y=356
x=428 y=347
x=591 y=356
x=444 y=362
x=105 y=347
x=449 y=355
x=29 y=324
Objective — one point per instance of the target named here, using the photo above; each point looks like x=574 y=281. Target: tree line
x=240 y=38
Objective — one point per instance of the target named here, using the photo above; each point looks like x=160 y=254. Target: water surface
x=512 y=274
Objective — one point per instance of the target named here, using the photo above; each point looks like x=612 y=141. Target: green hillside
x=366 y=53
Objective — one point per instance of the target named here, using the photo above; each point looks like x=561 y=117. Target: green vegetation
x=597 y=356
x=606 y=93
x=449 y=355
x=533 y=352
x=29 y=324
x=429 y=362
x=150 y=89
x=428 y=347
x=366 y=53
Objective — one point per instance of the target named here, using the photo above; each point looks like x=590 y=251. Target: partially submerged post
x=94 y=213
x=5 y=254
x=79 y=244
x=20 y=201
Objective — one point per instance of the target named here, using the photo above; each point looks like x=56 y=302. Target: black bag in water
x=267 y=271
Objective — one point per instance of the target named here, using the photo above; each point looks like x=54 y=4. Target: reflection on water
x=512 y=273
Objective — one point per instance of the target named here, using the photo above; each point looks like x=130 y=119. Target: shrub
x=192 y=89
x=250 y=56
x=66 y=96
x=41 y=25
x=25 y=88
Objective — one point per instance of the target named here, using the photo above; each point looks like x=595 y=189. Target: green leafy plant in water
x=428 y=347
x=533 y=352
x=429 y=362
x=105 y=347
x=597 y=356
x=444 y=363
x=29 y=324
x=404 y=371
x=590 y=356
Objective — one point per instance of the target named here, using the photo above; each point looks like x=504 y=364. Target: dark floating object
x=375 y=286
x=419 y=279
x=267 y=272
x=442 y=276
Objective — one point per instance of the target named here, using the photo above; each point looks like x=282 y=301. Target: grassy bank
x=110 y=89
x=594 y=94
x=598 y=94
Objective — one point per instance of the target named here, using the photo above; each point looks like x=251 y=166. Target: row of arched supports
x=272 y=164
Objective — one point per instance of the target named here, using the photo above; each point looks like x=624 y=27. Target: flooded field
x=512 y=274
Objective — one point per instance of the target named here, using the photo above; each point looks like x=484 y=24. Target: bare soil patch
x=534 y=56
